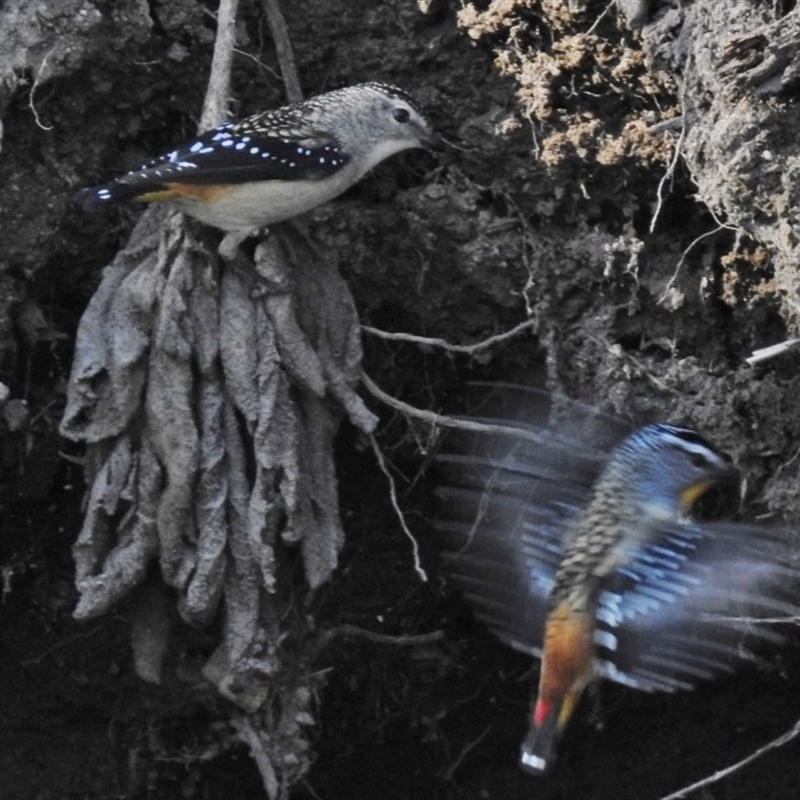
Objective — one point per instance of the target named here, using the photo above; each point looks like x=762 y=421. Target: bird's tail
x=567 y=666
x=538 y=748
x=97 y=198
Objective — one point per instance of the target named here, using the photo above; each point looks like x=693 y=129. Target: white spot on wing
x=606 y=639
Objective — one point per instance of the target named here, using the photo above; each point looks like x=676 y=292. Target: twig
x=765 y=353
x=283 y=49
x=33 y=89
x=468 y=748
x=432 y=418
x=469 y=349
x=599 y=18
x=383 y=638
x=258 y=62
x=248 y=735
x=750 y=620
x=666 y=176
x=310 y=789
x=57 y=646
x=685 y=253
x=215 y=106
x=671 y=124
x=423 y=576
x=723 y=773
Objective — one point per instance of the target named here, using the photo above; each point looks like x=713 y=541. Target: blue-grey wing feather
x=685 y=608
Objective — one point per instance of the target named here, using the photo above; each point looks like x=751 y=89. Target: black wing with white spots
x=270 y=146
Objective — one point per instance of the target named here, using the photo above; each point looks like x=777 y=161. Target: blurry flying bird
x=591 y=550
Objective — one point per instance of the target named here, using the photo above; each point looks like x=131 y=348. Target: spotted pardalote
x=277 y=164
x=591 y=548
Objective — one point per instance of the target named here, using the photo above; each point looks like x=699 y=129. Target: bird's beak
x=714 y=494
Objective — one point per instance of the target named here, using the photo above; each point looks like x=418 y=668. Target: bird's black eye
x=401 y=115
x=699 y=460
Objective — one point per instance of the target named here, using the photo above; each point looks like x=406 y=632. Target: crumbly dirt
x=631 y=192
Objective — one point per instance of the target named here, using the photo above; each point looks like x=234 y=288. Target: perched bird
x=604 y=564
x=275 y=165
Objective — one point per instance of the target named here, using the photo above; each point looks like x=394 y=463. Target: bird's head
x=379 y=120
x=669 y=468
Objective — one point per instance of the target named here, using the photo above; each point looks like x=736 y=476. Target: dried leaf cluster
x=208 y=408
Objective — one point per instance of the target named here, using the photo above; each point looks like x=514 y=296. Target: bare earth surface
x=631 y=191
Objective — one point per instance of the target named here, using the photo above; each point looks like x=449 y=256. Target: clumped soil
x=630 y=192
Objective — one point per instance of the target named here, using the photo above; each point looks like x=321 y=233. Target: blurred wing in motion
x=695 y=602
x=686 y=608
x=508 y=497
